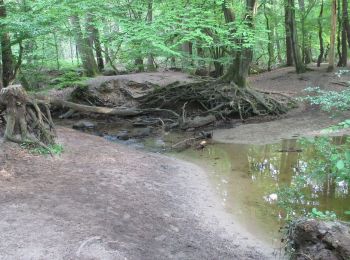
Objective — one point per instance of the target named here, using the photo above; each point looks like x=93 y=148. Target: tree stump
x=24 y=116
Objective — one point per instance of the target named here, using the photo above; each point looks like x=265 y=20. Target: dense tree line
x=224 y=38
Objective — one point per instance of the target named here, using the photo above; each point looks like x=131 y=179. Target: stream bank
x=124 y=204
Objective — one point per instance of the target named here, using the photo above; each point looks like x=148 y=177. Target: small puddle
x=247 y=178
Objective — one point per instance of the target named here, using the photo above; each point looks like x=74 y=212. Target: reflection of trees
x=312 y=173
x=261 y=170
x=277 y=161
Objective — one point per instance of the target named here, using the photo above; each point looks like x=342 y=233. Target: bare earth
x=106 y=201
x=303 y=121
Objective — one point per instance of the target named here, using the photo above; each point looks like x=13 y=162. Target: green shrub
x=69 y=79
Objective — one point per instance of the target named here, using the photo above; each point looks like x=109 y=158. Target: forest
x=184 y=129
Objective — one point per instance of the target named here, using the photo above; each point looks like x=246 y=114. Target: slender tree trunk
x=150 y=58
x=299 y=65
x=345 y=19
x=6 y=51
x=270 y=40
x=289 y=48
x=338 y=35
x=94 y=40
x=278 y=45
x=57 y=51
x=201 y=66
x=139 y=65
x=320 y=36
x=303 y=31
x=308 y=50
x=84 y=49
x=346 y=23
x=331 y=54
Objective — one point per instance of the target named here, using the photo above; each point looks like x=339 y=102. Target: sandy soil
x=106 y=201
x=306 y=120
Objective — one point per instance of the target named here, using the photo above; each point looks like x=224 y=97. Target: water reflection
x=247 y=177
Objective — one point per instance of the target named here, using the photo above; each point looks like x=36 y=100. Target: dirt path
x=105 y=201
x=303 y=121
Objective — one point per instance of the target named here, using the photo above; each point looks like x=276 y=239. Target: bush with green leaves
x=328 y=100
x=69 y=79
x=327 y=215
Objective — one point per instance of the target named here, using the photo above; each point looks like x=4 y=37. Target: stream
x=247 y=178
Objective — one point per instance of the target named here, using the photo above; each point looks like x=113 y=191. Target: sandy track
x=105 y=201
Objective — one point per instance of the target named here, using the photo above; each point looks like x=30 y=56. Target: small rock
x=82 y=124
x=141 y=132
x=123 y=135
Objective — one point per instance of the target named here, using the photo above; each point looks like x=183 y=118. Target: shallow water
x=247 y=178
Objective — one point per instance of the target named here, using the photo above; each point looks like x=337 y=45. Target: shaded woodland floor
x=305 y=120
x=107 y=201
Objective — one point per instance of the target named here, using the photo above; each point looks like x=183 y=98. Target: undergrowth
x=69 y=79
x=329 y=101
x=56 y=149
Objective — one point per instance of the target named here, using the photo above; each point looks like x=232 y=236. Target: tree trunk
x=150 y=58
x=338 y=35
x=303 y=31
x=344 y=20
x=278 y=45
x=289 y=49
x=239 y=70
x=346 y=23
x=139 y=65
x=94 y=40
x=6 y=51
x=84 y=49
x=57 y=51
x=270 y=40
x=299 y=65
x=23 y=111
x=320 y=32
x=332 y=37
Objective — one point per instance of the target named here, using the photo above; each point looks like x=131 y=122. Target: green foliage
x=56 y=149
x=327 y=215
x=330 y=163
x=69 y=79
x=332 y=160
x=340 y=126
x=328 y=100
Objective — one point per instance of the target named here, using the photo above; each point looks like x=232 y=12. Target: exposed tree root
x=191 y=105
x=27 y=117
x=224 y=100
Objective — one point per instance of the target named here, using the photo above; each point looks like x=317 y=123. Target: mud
x=106 y=201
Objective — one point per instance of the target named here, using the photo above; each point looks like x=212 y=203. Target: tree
x=94 y=40
x=299 y=65
x=6 y=51
x=84 y=48
x=239 y=69
x=289 y=49
x=343 y=59
x=270 y=48
x=331 y=54
x=320 y=36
